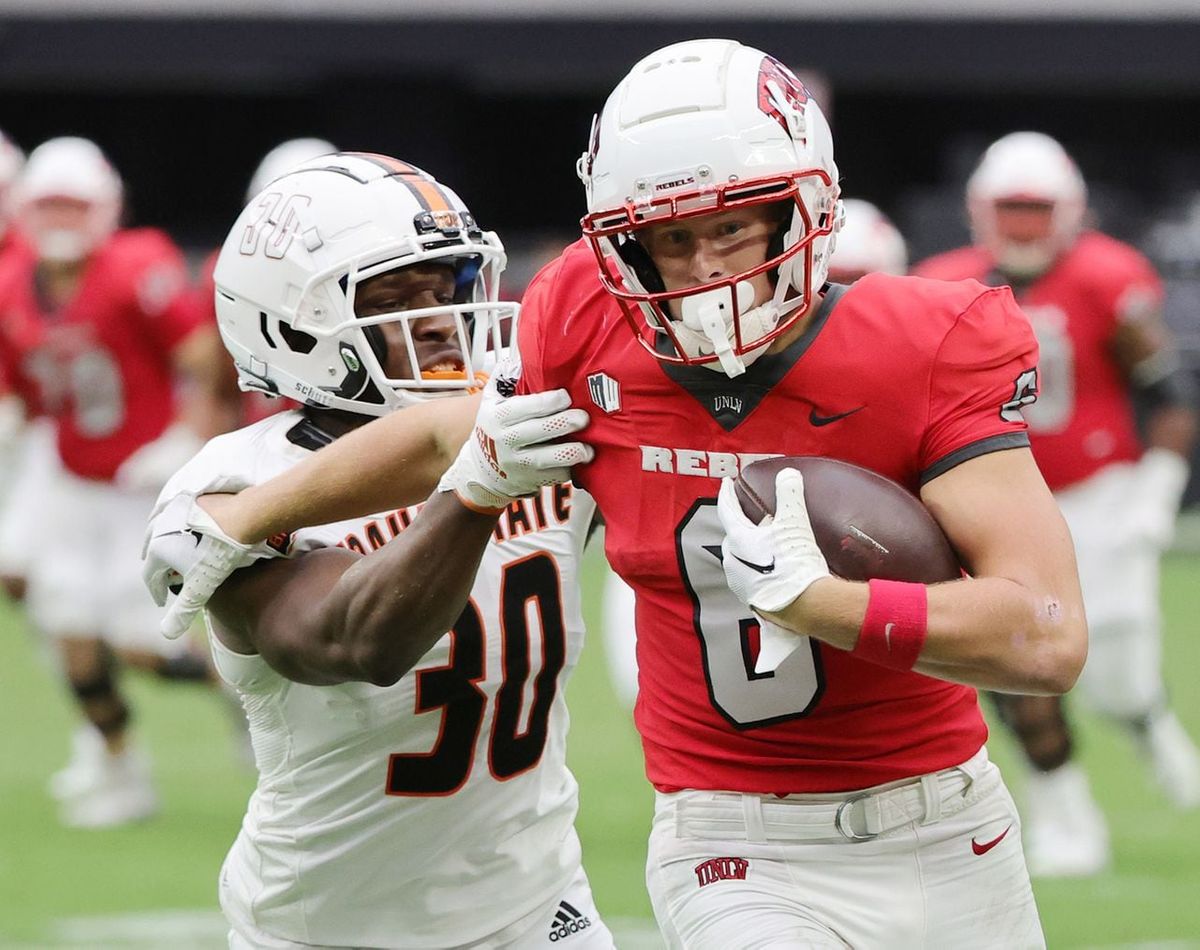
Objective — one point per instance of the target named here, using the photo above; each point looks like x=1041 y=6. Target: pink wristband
x=893 y=631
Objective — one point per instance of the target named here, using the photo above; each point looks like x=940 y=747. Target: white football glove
x=187 y=553
x=1159 y=479
x=510 y=452
x=151 y=466
x=768 y=565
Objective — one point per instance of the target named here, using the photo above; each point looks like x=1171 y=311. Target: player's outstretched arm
x=391 y=462
x=516 y=447
x=1143 y=349
x=1016 y=625
x=332 y=616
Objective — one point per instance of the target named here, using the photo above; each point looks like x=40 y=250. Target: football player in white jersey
x=413 y=789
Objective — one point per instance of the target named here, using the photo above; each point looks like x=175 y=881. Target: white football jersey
x=438 y=812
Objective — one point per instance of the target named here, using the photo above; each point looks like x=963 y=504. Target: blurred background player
x=20 y=449
x=867 y=243
x=1095 y=306
x=413 y=788
x=253 y=406
x=11 y=161
x=103 y=336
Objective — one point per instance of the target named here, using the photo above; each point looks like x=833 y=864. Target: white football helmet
x=867 y=243
x=11 y=161
x=698 y=127
x=283 y=158
x=1026 y=166
x=287 y=274
x=72 y=168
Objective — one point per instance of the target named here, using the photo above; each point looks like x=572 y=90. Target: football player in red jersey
x=839 y=795
x=1094 y=304
x=11 y=161
x=867 y=243
x=99 y=329
x=713 y=207
x=17 y=451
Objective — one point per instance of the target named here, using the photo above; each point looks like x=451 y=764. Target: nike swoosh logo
x=988 y=845
x=761 y=568
x=887 y=635
x=825 y=420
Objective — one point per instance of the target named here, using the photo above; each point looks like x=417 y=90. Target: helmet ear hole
x=297 y=340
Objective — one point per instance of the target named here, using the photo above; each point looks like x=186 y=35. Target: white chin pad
x=711 y=314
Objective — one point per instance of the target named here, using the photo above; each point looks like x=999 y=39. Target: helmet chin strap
x=711 y=314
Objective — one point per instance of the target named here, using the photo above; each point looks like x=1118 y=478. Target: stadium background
x=496 y=98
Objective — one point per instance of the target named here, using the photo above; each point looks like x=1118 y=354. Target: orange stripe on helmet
x=386 y=162
x=428 y=192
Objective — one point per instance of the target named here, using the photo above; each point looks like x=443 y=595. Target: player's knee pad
x=1040 y=725
x=14 y=586
x=105 y=709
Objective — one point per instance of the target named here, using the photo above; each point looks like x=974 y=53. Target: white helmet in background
x=12 y=159
x=1026 y=167
x=287 y=275
x=74 y=169
x=867 y=243
x=283 y=158
x=704 y=126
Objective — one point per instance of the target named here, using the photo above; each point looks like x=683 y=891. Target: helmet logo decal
x=275 y=226
x=350 y=358
x=782 y=96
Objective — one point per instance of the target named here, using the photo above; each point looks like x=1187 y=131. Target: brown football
x=865 y=524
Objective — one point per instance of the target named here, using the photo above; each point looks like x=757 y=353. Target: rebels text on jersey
x=1084 y=418
x=101 y=365
x=435 y=812
x=903 y=376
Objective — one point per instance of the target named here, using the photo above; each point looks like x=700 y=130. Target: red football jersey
x=1084 y=418
x=101 y=364
x=903 y=376
x=10 y=380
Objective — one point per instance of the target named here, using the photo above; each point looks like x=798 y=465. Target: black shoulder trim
x=994 y=443
x=308 y=435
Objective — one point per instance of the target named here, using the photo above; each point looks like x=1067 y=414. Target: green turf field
x=154 y=885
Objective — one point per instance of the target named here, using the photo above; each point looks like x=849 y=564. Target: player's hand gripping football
x=188 y=553
x=768 y=565
x=512 y=450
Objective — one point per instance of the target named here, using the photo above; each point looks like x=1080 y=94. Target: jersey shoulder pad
x=236 y=460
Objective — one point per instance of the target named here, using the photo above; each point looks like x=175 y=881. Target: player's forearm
x=396 y=608
x=389 y=608
x=389 y=463
x=989 y=632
